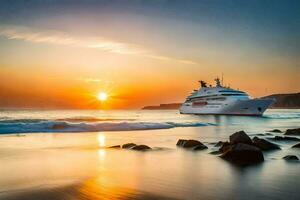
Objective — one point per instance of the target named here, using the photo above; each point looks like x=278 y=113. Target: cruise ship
x=220 y=100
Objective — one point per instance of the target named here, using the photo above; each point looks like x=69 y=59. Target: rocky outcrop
x=218 y=144
x=295 y=131
x=296 y=146
x=290 y=157
x=128 y=145
x=284 y=138
x=241 y=150
x=180 y=142
x=215 y=152
x=200 y=147
x=115 y=147
x=141 y=147
x=133 y=146
x=264 y=145
x=191 y=144
x=291 y=100
x=240 y=137
x=275 y=131
x=243 y=154
x=225 y=147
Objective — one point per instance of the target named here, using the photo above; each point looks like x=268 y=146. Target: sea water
x=62 y=154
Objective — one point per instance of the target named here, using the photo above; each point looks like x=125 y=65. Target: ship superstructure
x=223 y=101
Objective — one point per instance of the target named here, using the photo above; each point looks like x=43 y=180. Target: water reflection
x=101 y=154
x=101 y=140
x=103 y=188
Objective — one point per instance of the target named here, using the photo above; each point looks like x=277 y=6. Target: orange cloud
x=98 y=43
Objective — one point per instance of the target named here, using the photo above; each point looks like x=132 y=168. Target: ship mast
x=218 y=84
x=203 y=83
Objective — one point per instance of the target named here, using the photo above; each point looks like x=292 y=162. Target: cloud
x=90 y=80
x=98 y=43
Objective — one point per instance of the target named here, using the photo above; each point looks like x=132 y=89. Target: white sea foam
x=295 y=115
x=20 y=126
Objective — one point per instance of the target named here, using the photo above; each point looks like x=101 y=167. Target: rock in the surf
x=275 y=131
x=200 y=147
x=243 y=154
x=115 y=147
x=220 y=143
x=290 y=157
x=284 y=138
x=240 y=137
x=128 y=145
x=296 y=146
x=225 y=146
x=141 y=147
x=264 y=145
x=295 y=131
x=215 y=152
x=181 y=142
x=191 y=144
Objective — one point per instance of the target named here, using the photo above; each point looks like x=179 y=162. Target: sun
x=102 y=96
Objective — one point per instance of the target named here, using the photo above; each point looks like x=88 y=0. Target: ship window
x=237 y=94
x=259 y=109
x=232 y=91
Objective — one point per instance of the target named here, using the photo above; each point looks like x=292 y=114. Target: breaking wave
x=43 y=126
x=283 y=116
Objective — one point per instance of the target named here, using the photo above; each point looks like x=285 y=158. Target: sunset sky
x=62 y=54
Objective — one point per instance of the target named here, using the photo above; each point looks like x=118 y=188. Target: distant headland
x=288 y=101
x=291 y=100
x=167 y=106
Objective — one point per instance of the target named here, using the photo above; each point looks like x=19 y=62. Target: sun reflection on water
x=101 y=154
x=101 y=140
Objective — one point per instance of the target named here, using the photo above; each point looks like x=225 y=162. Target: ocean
x=63 y=154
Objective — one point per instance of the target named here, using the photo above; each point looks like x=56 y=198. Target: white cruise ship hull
x=249 y=107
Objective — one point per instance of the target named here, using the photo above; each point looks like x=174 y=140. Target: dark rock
x=290 y=157
x=181 y=142
x=225 y=147
x=200 y=147
x=215 y=152
x=264 y=144
x=115 y=147
x=285 y=138
x=220 y=143
x=240 y=137
x=276 y=131
x=191 y=143
x=128 y=145
x=141 y=147
x=243 y=154
x=295 y=131
x=296 y=146
x=268 y=134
